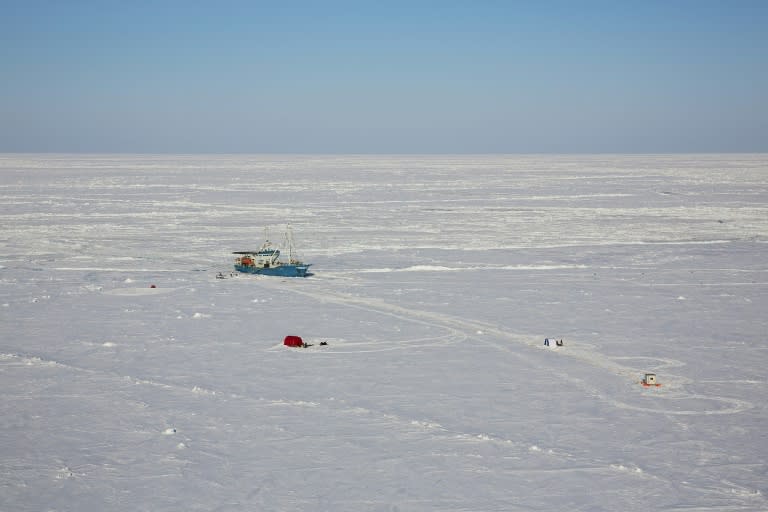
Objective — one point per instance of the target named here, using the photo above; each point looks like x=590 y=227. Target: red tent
x=293 y=341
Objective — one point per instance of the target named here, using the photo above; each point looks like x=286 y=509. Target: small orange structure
x=650 y=381
x=293 y=341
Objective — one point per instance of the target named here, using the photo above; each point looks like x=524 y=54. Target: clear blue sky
x=383 y=76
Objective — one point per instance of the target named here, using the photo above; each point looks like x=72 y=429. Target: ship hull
x=280 y=271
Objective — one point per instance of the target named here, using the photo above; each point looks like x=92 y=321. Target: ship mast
x=289 y=238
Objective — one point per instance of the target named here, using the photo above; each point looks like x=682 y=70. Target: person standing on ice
x=546 y=342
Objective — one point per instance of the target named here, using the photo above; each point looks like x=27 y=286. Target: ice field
x=435 y=281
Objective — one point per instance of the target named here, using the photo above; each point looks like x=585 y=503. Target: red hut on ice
x=293 y=341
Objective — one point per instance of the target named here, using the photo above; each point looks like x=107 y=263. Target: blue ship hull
x=280 y=271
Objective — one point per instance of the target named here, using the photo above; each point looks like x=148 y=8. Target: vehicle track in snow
x=674 y=390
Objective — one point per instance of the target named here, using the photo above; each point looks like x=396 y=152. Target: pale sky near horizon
x=384 y=77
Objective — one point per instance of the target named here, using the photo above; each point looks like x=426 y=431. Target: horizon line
x=301 y=153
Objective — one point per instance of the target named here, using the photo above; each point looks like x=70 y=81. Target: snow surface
x=436 y=280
